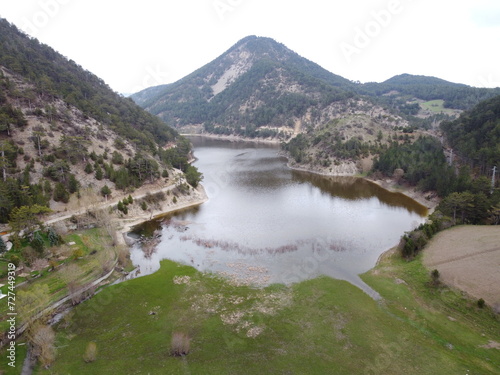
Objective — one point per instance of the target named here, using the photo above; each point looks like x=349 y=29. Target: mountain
x=454 y=95
x=257 y=87
x=260 y=88
x=62 y=130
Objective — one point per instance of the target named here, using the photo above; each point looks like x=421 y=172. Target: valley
x=238 y=220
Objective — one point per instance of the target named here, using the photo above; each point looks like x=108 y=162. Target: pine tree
x=105 y=191
x=98 y=172
x=37 y=243
x=54 y=238
x=3 y=246
x=60 y=193
x=88 y=168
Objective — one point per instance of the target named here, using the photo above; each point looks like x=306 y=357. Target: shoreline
x=387 y=184
x=128 y=223
x=233 y=138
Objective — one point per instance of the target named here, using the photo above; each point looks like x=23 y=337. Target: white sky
x=136 y=44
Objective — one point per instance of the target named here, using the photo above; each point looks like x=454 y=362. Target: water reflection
x=267 y=224
x=354 y=188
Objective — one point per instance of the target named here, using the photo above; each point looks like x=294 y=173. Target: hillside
x=260 y=88
x=260 y=84
x=62 y=130
x=475 y=135
x=257 y=88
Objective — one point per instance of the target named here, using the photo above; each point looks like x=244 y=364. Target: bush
x=88 y=168
x=193 y=177
x=90 y=352
x=179 y=345
x=14 y=259
x=481 y=303
x=54 y=238
x=77 y=253
x=435 y=277
x=37 y=243
x=60 y=193
x=105 y=191
x=3 y=246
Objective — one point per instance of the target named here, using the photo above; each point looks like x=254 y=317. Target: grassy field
x=95 y=256
x=321 y=326
x=468 y=258
x=437 y=106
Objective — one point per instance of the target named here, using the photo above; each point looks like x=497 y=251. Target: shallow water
x=264 y=223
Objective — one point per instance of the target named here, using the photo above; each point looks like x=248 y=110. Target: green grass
x=436 y=106
x=320 y=326
x=90 y=267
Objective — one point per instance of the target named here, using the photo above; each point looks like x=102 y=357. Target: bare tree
x=42 y=339
x=72 y=274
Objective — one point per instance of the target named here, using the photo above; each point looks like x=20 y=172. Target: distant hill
x=63 y=129
x=455 y=95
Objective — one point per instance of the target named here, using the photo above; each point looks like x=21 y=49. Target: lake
x=265 y=223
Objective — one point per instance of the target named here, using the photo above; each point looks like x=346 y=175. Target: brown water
x=265 y=223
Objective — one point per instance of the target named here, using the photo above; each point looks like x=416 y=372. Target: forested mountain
x=454 y=95
x=260 y=88
x=63 y=129
x=257 y=88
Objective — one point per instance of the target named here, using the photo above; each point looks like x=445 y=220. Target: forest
x=470 y=194
x=55 y=76
x=476 y=135
x=40 y=79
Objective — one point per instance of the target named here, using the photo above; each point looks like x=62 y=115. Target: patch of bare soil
x=468 y=258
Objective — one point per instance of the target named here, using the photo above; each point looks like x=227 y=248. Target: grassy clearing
x=319 y=326
x=437 y=106
x=96 y=254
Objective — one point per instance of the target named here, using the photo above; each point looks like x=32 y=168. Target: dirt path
x=468 y=258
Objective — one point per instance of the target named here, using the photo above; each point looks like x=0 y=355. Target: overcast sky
x=136 y=44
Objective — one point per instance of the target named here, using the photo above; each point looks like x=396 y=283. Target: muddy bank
x=236 y=138
x=197 y=196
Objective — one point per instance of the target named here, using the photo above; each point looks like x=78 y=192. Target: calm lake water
x=264 y=223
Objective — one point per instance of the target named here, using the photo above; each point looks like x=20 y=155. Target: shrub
x=481 y=303
x=105 y=191
x=179 y=345
x=88 y=168
x=78 y=253
x=3 y=246
x=60 y=193
x=37 y=243
x=14 y=259
x=435 y=277
x=54 y=238
x=117 y=158
x=90 y=352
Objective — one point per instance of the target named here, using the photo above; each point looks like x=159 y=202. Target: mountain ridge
x=260 y=84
